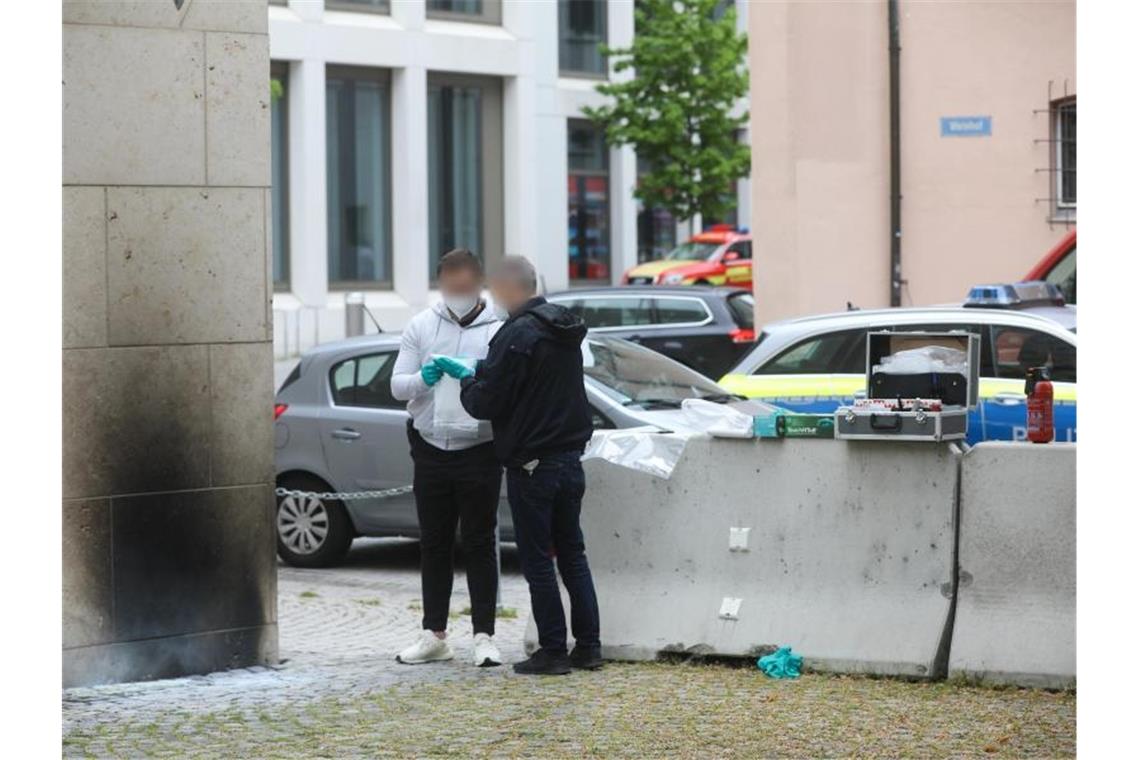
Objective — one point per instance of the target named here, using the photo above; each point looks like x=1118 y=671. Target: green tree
x=677 y=110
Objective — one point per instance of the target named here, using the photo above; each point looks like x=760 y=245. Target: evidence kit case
x=911 y=405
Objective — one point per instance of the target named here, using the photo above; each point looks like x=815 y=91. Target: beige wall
x=820 y=136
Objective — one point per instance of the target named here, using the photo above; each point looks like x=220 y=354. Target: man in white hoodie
x=457 y=476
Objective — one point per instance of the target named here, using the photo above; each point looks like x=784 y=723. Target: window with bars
x=1065 y=152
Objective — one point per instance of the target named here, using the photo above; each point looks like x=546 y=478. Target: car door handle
x=345 y=434
x=672 y=345
x=1009 y=398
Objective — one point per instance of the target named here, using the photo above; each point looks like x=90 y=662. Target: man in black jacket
x=530 y=387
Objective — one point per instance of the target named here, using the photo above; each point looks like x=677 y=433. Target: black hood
x=562 y=325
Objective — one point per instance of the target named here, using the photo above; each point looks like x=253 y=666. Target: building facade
x=987 y=148
x=404 y=128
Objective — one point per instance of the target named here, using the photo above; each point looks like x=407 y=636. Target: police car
x=815 y=364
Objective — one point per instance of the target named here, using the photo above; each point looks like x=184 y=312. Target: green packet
x=793 y=425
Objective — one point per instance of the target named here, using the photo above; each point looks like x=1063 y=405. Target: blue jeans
x=546 y=504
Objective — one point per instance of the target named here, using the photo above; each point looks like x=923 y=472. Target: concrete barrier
x=1016 y=612
x=843 y=550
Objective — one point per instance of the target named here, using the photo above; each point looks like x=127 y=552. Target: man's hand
x=431 y=374
x=456 y=369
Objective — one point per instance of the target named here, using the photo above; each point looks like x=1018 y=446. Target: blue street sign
x=967 y=126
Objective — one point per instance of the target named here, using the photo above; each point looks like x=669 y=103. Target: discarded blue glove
x=456 y=369
x=431 y=374
x=783 y=663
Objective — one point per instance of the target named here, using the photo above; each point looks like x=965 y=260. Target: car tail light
x=742 y=335
x=279 y=409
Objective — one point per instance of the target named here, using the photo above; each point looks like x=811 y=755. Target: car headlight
x=673 y=279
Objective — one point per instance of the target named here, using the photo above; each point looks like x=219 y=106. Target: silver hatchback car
x=339 y=429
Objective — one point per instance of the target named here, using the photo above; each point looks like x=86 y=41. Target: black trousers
x=546 y=505
x=457 y=488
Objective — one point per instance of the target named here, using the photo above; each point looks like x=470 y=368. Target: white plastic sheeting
x=645 y=449
x=718 y=420
x=918 y=361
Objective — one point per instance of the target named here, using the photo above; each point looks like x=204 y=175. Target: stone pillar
x=168 y=538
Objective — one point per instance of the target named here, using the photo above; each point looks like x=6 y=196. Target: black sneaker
x=586 y=658
x=544 y=663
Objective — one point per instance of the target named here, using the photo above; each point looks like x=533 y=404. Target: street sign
x=966 y=126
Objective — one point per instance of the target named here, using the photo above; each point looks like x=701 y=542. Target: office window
x=465 y=174
x=359 y=168
x=368 y=6
x=581 y=28
x=589 y=195
x=482 y=11
x=1065 y=152
x=279 y=131
x=656 y=227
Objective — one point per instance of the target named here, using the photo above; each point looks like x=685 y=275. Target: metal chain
x=347 y=496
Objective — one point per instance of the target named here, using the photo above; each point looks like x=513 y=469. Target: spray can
x=1039 y=405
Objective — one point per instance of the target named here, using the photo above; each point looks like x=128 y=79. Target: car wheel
x=701 y=282
x=311 y=532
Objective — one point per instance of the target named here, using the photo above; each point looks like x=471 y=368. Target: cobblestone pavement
x=339 y=693
x=339 y=629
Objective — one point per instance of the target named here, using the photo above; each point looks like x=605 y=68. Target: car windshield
x=692 y=251
x=635 y=376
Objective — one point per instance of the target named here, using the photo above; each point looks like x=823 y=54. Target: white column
x=409 y=13
x=308 y=232
x=552 y=255
x=308 y=10
x=744 y=191
x=623 y=211
x=520 y=127
x=548 y=188
x=520 y=166
x=623 y=161
x=744 y=184
x=410 y=185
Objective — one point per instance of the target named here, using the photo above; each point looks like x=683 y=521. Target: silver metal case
x=947 y=424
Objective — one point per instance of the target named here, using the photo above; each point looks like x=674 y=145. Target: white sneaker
x=427 y=648
x=486 y=653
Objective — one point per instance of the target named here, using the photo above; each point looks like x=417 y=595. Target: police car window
x=1064 y=275
x=822 y=354
x=1018 y=349
x=616 y=312
x=982 y=331
x=674 y=311
x=364 y=381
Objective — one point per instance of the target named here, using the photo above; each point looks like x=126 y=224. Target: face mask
x=460 y=306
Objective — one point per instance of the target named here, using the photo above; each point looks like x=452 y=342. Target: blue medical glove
x=456 y=369
x=431 y=374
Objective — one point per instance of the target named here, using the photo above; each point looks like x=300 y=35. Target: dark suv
x=706 y=328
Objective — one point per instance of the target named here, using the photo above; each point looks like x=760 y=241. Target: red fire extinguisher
x=1039 y=405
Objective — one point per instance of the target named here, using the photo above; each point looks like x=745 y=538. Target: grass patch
x=649 y=710
x=309 y=595
x=369 y=602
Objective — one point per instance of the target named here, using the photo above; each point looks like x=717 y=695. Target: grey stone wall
x=168 y=541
